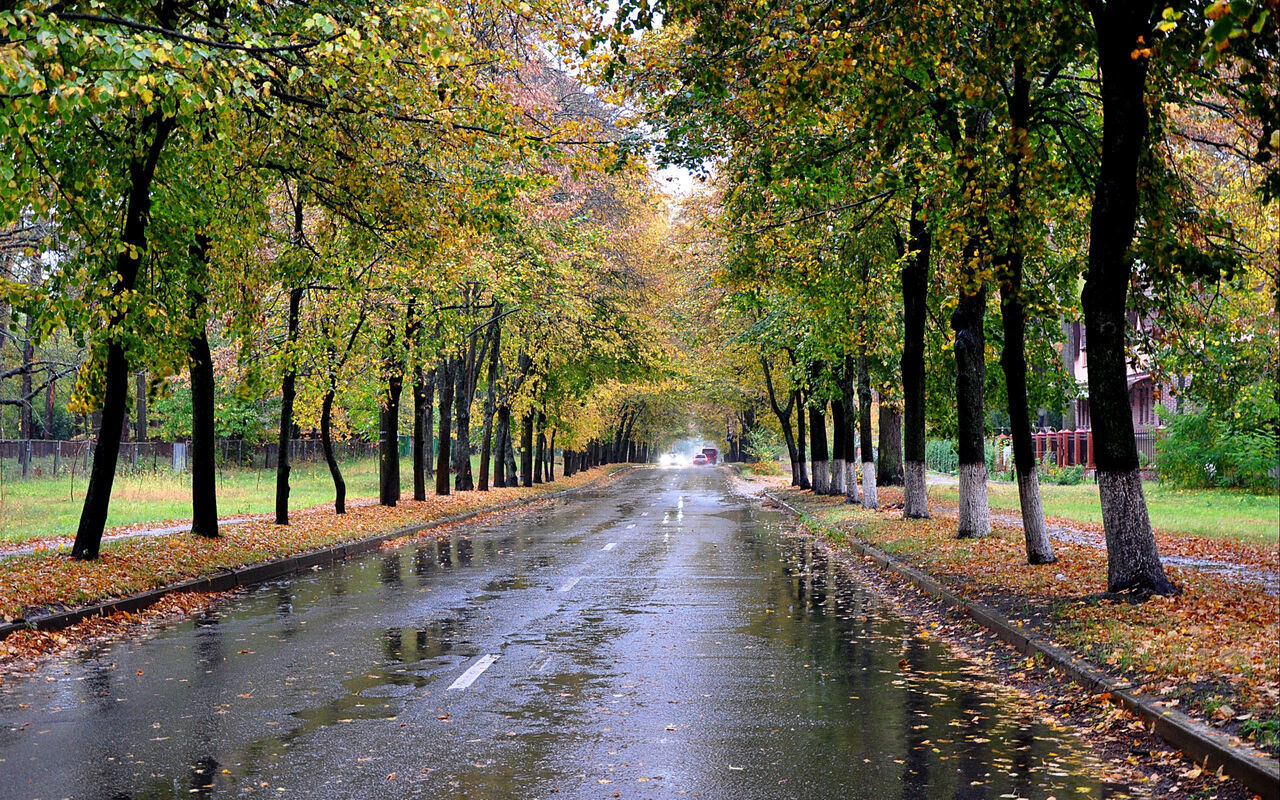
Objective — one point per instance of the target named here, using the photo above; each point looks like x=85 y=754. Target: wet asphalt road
x=657 y=637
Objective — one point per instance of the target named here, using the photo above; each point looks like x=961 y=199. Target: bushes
x=1201 y=451
x=1063 y=476
x=940 y=456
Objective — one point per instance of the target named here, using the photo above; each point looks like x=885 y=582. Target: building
x=1145 y=395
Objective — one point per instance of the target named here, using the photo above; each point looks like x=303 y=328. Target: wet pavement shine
x=658 y=637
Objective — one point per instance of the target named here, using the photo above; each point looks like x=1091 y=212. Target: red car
x=711 y=453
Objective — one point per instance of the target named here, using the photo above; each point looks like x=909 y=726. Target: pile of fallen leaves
x=44 y=581
x=21 y=650
x=1214 y=649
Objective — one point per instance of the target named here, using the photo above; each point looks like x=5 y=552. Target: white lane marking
x=629 y=527
x=474 y=671
x=609 y=546
x=569 y=584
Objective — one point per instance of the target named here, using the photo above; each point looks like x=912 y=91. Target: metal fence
x=1071 y=448
x=39 y=458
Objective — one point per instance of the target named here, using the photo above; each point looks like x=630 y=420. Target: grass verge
x=1209 y=513
x=44 y=581
x=1214 y=649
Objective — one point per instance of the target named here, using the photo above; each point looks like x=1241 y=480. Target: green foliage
x=1201 y=450
x=940 y=456
x=1265 y=733
x=1063 y=476
x=235 y=416
x=766 y=444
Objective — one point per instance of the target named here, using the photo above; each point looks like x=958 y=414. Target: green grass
x=43 y=507
x=1216 y=513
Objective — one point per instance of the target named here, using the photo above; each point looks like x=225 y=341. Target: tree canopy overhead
x=443 y=223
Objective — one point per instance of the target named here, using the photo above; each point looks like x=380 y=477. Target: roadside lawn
x=1213 y=650
x=44 y=507
x=1212 y=513
x=44 y=581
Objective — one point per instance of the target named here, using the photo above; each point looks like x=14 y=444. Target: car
x=700 y=459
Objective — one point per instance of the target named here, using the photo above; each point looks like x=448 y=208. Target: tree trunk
x=97 y=498
x=837 y=447
x=140 y=405
x=50 y=404
x=551 y=457
x=540 y=449
x=869 y=497
x=444 y=386
x=288 y=392
x=501 y=431
x=204 y=468
x=915 y=287
x=513 y=478
x=818 y=450
x=26 y=421
x=462 y=479
x=326 y=441
x=800 y=440
x=526 y=449
x=1133 y=562
x=849 y=430
x=420 y=432
x=429 y=426
x=1013 y=358
x=784 y=419
x=389 y=457
x=966 y=321
x=490 y=397
x=889 y=464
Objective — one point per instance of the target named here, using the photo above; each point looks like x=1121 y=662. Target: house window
x=1143 y=402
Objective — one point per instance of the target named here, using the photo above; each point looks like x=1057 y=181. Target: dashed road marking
x=474 y=671
x=609 y=546
x=632 y=525
x=569 y=584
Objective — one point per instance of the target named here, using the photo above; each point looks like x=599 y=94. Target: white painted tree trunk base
x=869 y=499
x=915 y=504
x=1133 y=562
x=975 y=510
x=821 y=478
x=1039 y=549
x=851 y=481
x=837 y=476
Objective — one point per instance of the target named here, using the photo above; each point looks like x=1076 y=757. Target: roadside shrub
x=1069 y=476
x=1202 y=451
x=1050 y=472
x=763 y=468
x=940 y=456
x=765 y=445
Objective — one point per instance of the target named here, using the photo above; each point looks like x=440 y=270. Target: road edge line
x=1211 y=749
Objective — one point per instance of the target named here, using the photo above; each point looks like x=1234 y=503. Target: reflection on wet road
x=654 y=638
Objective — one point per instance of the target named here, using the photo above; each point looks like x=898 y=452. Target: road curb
x=1208 y=747
x=250 y=574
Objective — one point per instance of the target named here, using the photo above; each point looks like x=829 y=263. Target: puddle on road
x=941 y=726
x=828 y=693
